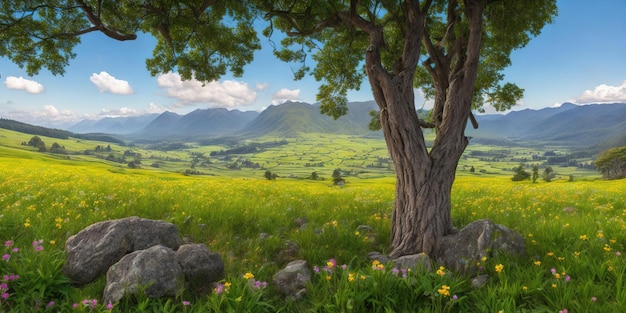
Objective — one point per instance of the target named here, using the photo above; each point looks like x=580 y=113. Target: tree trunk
x=421 y=214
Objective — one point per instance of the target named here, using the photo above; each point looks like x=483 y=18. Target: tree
x=36 y=142
x=337 y=179
x=548 y=174
x=520 y=173
x=270 y=176
x=612 y=163
x=535 y=173
x=453 y=50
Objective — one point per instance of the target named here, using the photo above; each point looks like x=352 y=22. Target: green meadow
x=573 y=226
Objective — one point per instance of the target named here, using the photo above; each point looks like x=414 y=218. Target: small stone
x=480 y=281
x=292 y=280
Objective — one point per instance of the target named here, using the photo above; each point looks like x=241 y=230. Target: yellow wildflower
x=499 y=268
x=248 y=275
x=440 y=271
x=444 y=290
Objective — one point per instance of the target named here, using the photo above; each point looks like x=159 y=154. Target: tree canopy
x=198 y=39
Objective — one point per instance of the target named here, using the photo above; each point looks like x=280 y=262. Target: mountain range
x=592 y=125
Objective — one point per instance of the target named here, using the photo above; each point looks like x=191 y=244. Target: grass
x=574 y=233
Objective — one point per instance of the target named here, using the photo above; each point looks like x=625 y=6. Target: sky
x=579 y=58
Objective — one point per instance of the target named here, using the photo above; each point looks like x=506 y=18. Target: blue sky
x=580 y=58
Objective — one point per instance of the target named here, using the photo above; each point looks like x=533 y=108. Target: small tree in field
x=535 y=173
x=548 y=173
x=337 y=179
x=454 y=50
x=520 y=173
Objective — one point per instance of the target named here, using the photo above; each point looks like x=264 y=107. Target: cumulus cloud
x=285 y=95
x=107 y=83
x=226 y=94
x=604 y=94
x=21 y=83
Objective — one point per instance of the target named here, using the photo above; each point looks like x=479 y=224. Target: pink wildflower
x=219 y=289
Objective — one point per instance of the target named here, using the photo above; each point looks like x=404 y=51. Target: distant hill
x=207 y=122
x=592 y=126
x=293 y=118
x=54 y=133
x=114 y=125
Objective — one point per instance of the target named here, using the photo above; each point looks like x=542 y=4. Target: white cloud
x=48 y=116
x=128 y=112
x=285 y=95
x=604 y=94
x=107 y=83
x=226 y=94
x=21 y=83
x=262 y=86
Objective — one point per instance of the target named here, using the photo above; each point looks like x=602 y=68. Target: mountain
x=207 y=122
x=592 y=125
x=114 y=125
x=293 y=118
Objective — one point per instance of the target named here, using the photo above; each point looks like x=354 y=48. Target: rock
x=200 y=266
x=292 y=280
x=377 y=256
x=462 y=251
x=300 y=221
x=289 y=252
x=480 y=280
x=420 y=262
x=94 y=249
x=364 y=229
x=153 y=271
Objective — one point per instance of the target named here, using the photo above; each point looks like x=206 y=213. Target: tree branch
x=98 y=25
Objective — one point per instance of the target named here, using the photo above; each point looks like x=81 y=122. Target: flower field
x=574 y=234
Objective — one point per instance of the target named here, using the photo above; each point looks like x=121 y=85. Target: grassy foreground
x=574 y=233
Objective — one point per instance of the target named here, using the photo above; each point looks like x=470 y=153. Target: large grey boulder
x=462 y=251
x=153 y=271
x=94 y=249
x=291 y=281
x=200 y=266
